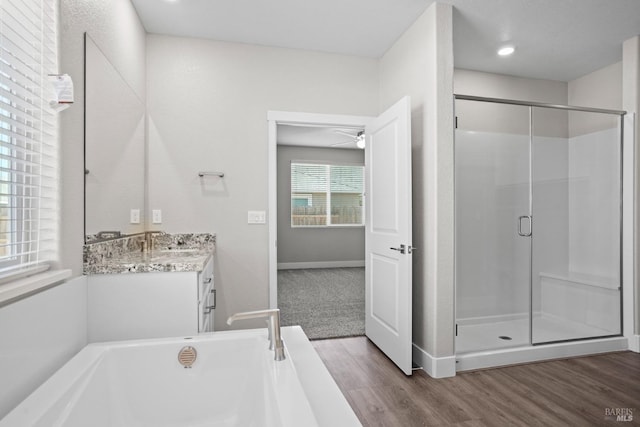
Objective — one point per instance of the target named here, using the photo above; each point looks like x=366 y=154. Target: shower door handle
x=520 y=233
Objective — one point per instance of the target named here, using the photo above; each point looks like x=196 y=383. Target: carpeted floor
x=326 y=302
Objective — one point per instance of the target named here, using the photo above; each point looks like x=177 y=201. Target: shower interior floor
x=482 y=335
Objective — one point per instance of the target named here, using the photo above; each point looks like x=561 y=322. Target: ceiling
x=554 y=39
x=317 y=136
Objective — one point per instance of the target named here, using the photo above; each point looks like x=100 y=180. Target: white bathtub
x=233 y=382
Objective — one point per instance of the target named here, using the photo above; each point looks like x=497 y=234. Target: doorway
x=293 y=126
x=388 y=227
x=320 y=234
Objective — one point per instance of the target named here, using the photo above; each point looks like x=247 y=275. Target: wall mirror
x=114 y=147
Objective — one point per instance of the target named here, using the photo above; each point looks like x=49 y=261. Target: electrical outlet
x=134 y=216
x=156 y=216
x=256 y=217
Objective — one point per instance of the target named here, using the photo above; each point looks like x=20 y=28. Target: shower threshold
x=504 y=340
x=527 y=354
x=492 y=333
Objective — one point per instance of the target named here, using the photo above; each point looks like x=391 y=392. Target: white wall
x=39 y=334
x=207 y=107
x=420 y=64
x=314 y=245
x=115 y=27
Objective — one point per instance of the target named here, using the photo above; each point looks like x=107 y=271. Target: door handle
x=520 y=233
x=401 y=249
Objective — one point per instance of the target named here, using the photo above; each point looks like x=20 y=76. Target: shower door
x=538 y=224
x=493 y=225
x=576 y=176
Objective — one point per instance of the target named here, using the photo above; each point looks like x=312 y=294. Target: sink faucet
x=149 y=240
x=275 y=335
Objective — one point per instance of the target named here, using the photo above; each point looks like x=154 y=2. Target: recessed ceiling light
x=506 y=51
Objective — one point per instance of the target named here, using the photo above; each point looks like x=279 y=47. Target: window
x=28 y=136
x=326 y=195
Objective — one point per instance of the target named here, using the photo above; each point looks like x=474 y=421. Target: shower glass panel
x=575 y=274
x=492 y=190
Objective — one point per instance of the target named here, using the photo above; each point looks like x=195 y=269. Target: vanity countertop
x=153 y=261
x=191 y=253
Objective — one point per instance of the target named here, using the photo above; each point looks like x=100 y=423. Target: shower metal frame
x=531 y=105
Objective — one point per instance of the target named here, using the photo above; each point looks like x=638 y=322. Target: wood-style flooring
x=579 y=392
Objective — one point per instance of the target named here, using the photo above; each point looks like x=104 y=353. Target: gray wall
x=305 y=245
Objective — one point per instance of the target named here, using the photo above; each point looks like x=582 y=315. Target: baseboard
x=319 y=264
x=435 y=367
x=634 y=343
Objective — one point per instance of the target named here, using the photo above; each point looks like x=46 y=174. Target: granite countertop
x=153 y=261
x=191 y=253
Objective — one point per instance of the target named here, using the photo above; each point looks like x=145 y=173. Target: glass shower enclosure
x=538 y=223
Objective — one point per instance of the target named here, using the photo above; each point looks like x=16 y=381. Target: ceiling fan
x=358 y=139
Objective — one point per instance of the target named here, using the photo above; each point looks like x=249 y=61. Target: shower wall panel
x=594 y=187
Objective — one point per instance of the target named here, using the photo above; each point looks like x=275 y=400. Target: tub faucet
x=275 y=335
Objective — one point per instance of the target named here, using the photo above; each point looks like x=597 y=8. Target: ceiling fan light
x=506 y=51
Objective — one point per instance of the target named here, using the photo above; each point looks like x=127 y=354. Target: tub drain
x=504 y=337
x=187 y=356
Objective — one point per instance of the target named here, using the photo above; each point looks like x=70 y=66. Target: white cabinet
x=150 y=305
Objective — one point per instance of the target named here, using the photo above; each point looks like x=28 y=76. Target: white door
x=388 y=233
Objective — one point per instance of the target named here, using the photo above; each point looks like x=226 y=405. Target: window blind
x=28 y=136
x=323 y=195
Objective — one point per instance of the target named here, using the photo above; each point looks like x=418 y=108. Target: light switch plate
x=156 y=216
x=134 y=216
x=257 y=217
